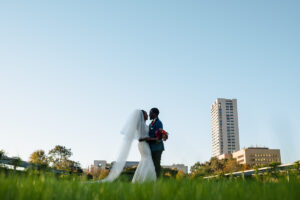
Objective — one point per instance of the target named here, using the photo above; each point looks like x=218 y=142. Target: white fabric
x=145 y=170
x=135 y=128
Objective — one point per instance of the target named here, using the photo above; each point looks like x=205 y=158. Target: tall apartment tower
x=225 y=128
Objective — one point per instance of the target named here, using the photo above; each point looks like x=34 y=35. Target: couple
x=149 y=145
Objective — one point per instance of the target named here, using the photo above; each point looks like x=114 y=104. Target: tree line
x=218 y=167
x=57 y=158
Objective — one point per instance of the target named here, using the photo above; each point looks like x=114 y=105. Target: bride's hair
x=144 y=111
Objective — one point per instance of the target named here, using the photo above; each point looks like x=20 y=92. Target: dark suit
x=157 y=147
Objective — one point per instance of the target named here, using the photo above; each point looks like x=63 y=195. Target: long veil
x=133 y=129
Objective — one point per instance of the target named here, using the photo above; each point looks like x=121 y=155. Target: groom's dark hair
x=155 y=111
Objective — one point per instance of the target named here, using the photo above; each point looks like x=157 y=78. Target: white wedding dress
x=135 y=128
x=145 y=170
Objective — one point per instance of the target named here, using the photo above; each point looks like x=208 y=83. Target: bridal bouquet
x=162 y=134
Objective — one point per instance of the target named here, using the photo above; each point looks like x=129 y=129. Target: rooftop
x=257 y=148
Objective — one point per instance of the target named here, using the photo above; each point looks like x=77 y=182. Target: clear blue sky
x=72 y=72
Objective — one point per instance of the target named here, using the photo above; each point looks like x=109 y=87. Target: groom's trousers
x=156 y=157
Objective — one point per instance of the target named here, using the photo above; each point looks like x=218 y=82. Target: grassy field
x=47 y=187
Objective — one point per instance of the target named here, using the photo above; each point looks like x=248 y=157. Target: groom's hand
x=141 y=139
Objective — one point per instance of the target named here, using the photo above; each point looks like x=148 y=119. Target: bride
x=135 y=128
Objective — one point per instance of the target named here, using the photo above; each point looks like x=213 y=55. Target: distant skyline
x=72 y=72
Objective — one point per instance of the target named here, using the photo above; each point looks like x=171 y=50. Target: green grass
x=47 y=187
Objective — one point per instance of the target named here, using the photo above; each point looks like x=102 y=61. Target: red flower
x=162 y=134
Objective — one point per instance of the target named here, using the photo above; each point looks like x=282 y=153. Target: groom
x=157 y=147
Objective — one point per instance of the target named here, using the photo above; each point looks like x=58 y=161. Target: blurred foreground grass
x=50 y=187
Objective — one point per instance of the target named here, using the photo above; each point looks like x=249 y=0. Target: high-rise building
x=225 y=128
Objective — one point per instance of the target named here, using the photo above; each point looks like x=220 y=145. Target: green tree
x=246 y=167
x=275 y=172
x=274 y=165
x=216 y=165
x=205 y=170
x=39 y=157
x=195 y=167
x=297 y=166
x=201 y=170
x=169 y=173
x=231 y=165
x=180 y=174
x=59 y=157
x=73 y=167
x=15 y=161
x=2 y=154
x=103 y=174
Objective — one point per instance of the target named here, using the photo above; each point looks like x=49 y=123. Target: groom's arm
x=148 y=139
x=160 y=125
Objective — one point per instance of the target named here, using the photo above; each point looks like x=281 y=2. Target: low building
x=177 y=167
x=128 y=164
x=100 y=164
x=224 y=156
x=257 y=156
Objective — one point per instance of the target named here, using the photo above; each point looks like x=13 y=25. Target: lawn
x=48 y=187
